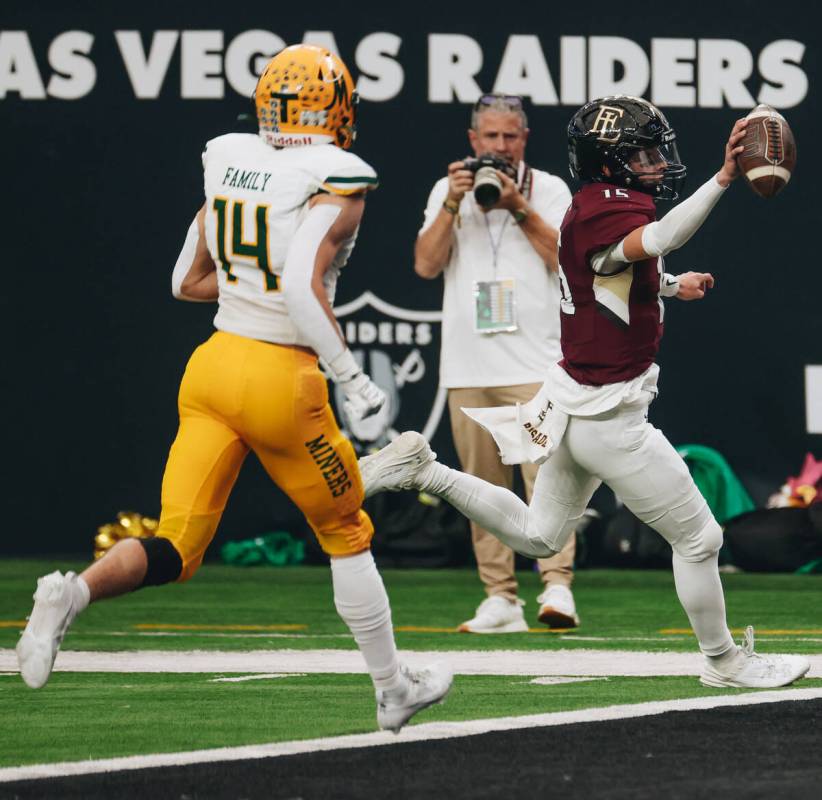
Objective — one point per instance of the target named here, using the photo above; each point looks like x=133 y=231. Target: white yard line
x=580 y=662
x=425 y=732
x=263 y=677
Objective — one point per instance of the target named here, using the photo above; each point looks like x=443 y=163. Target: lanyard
x=525 y=188
x=495 y=244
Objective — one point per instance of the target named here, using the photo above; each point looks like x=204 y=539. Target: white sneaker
x=496 y=614
x=53 y=612
x=557 y=609
x=753 y=671
x=397 y=465
x=421 y=688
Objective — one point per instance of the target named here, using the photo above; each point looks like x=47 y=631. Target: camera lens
x=487 y=186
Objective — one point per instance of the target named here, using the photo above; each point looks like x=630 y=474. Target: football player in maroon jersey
x=589 y=423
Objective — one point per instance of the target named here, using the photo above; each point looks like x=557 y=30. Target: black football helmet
x=609 y=132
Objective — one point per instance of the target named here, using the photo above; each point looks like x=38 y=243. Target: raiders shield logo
x=399 y=349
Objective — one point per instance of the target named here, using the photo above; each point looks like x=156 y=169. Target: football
x=769 y=157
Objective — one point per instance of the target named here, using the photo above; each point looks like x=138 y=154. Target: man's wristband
x=451 y=206
x=669 y=285
x=520 y=215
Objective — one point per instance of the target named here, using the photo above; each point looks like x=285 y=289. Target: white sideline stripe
x=578 y=662
x=416 y=733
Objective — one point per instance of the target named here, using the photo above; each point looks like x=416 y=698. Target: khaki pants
x=479 y=456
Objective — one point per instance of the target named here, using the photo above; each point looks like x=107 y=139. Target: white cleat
x=398 y=465
x=421 y=688
x=753 y=671
x=557 y=609
x=50 y=618
x=497 y=614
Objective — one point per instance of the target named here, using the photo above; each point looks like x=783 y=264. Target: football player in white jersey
x=279 y=221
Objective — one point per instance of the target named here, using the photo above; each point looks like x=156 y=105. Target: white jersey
x=478 y=240
x=256 y=198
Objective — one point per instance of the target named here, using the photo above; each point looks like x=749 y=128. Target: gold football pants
x=240 y=394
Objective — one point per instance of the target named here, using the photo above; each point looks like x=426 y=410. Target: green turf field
x=96 y=715
x=93 y=715
x=231 y=608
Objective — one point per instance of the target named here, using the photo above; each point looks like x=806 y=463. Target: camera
x=487 y=185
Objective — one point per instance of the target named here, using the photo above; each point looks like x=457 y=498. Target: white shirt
x=470 y=359
x=266 y=191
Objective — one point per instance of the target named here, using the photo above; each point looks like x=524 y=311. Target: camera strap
x=526 y=181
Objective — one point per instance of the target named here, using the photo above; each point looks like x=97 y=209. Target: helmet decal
x=604 y=123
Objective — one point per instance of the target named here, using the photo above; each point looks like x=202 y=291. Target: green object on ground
x=725 y=495
x=280 y=549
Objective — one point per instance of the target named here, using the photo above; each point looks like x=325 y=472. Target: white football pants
x=622 y=449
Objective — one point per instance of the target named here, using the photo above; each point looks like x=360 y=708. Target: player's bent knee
x=165 y=564
x=700 y=545
x=544 y=538
x=542 y=549
x=347 y=537
x=542 y=544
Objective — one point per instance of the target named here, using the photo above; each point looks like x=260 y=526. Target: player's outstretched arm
x=331 y=221
x=682 y=222
x=195 y=276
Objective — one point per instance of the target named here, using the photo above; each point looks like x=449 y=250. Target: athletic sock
x=727 y=661
x=80 y=594
x=700 y=593
x=361 y=601
x=492 y=507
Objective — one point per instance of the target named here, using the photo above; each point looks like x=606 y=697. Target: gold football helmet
x=306 y=96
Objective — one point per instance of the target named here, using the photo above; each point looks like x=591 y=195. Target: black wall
x=98 y=192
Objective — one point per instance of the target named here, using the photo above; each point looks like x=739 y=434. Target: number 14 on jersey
x=256 y=250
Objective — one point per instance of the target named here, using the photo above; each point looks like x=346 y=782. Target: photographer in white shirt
x=491 y=231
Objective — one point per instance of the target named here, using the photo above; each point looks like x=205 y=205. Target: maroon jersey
x=611 y=325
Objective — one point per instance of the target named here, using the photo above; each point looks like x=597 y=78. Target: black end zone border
x=768 y=751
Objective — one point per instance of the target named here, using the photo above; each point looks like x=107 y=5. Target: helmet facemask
x=638 y=168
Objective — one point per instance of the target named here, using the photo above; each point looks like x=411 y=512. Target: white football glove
x=363 y=397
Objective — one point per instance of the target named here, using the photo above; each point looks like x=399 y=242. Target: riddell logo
x=290 y=141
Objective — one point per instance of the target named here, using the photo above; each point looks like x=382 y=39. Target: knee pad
x=164 y=562
x=699 y=545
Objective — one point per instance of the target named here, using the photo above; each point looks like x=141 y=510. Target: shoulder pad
x=344 y=173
